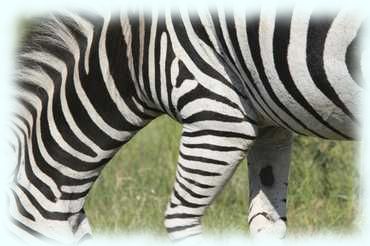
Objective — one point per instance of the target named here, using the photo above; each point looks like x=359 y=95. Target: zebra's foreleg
x=268 y=162
x=207 y=159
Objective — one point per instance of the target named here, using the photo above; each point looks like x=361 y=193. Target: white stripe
x=58 y=230
x=266 y=31
x=35 y=76
x=194 y=188
x=162 y=64
x=76 y=188
x=151 y=60
x=241 y=27
x=208 y=167
x=141 y=54
x=235 y=127
x=299 y=70
x=35 y=169
x=73 y=47
x=185 y=195
x=204 y=79
x=43 y=150
x=200 y=104
x=342 y=31
x=127 y=33
x=60 y=66
x=212 y=154
x=242 y=77
x=216 y=140
x=87 y=29
x=62 y=206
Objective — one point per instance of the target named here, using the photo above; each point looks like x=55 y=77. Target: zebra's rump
x=306 y=69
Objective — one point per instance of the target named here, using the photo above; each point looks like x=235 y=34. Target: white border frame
x=13 y=9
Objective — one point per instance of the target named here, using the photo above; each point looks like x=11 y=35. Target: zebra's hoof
x=262 y=227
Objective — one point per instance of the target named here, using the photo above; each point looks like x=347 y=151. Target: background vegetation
x=133 y=190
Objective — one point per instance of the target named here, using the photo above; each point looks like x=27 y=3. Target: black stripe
x=250 y=82
x=264 y=214
x=212 y=147
x=203 y=66
x=116 y=48
x=94 y=84
x=145 y=65
x=191 y=181
x=202 y=92
x=203 y=159
x=45 y=213
x=218 y=133
x=82 y=118
x=161 y=30
x=59 y=119
x=31 y=231
x=78 y=112
x=187 y=203
x=134 y=23
x=74 y=196
x=23 y=120
x=182 y=216
x=170 y=56
x=220 y=37
x=192 y=193
x=198 y=171
x=353 y=55
x=53 y=147
x=253 y=39
x=318 y=29
x=179 y=228
x=211 y=115
x=21 y=208
x=184 y=74
x=20 y=149
x=46 y=168
x=199 y=29
x=280 y=46
x=39 y=184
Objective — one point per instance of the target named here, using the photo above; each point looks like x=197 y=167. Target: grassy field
x=134 y=188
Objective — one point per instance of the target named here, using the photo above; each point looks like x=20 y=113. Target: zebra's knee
x=181 y=222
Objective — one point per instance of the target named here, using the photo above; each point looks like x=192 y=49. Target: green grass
x=132 y=192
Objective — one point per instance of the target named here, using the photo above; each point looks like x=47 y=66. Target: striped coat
x=240 y=85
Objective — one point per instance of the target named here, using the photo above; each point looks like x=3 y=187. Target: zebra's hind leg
x=268 y=163
x=207 y=159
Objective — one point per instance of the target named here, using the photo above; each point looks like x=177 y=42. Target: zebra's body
x=237 y=83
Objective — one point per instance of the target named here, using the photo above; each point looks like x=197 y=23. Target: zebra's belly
x=309 y=109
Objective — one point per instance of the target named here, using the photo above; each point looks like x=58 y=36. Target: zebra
x=240 y=83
